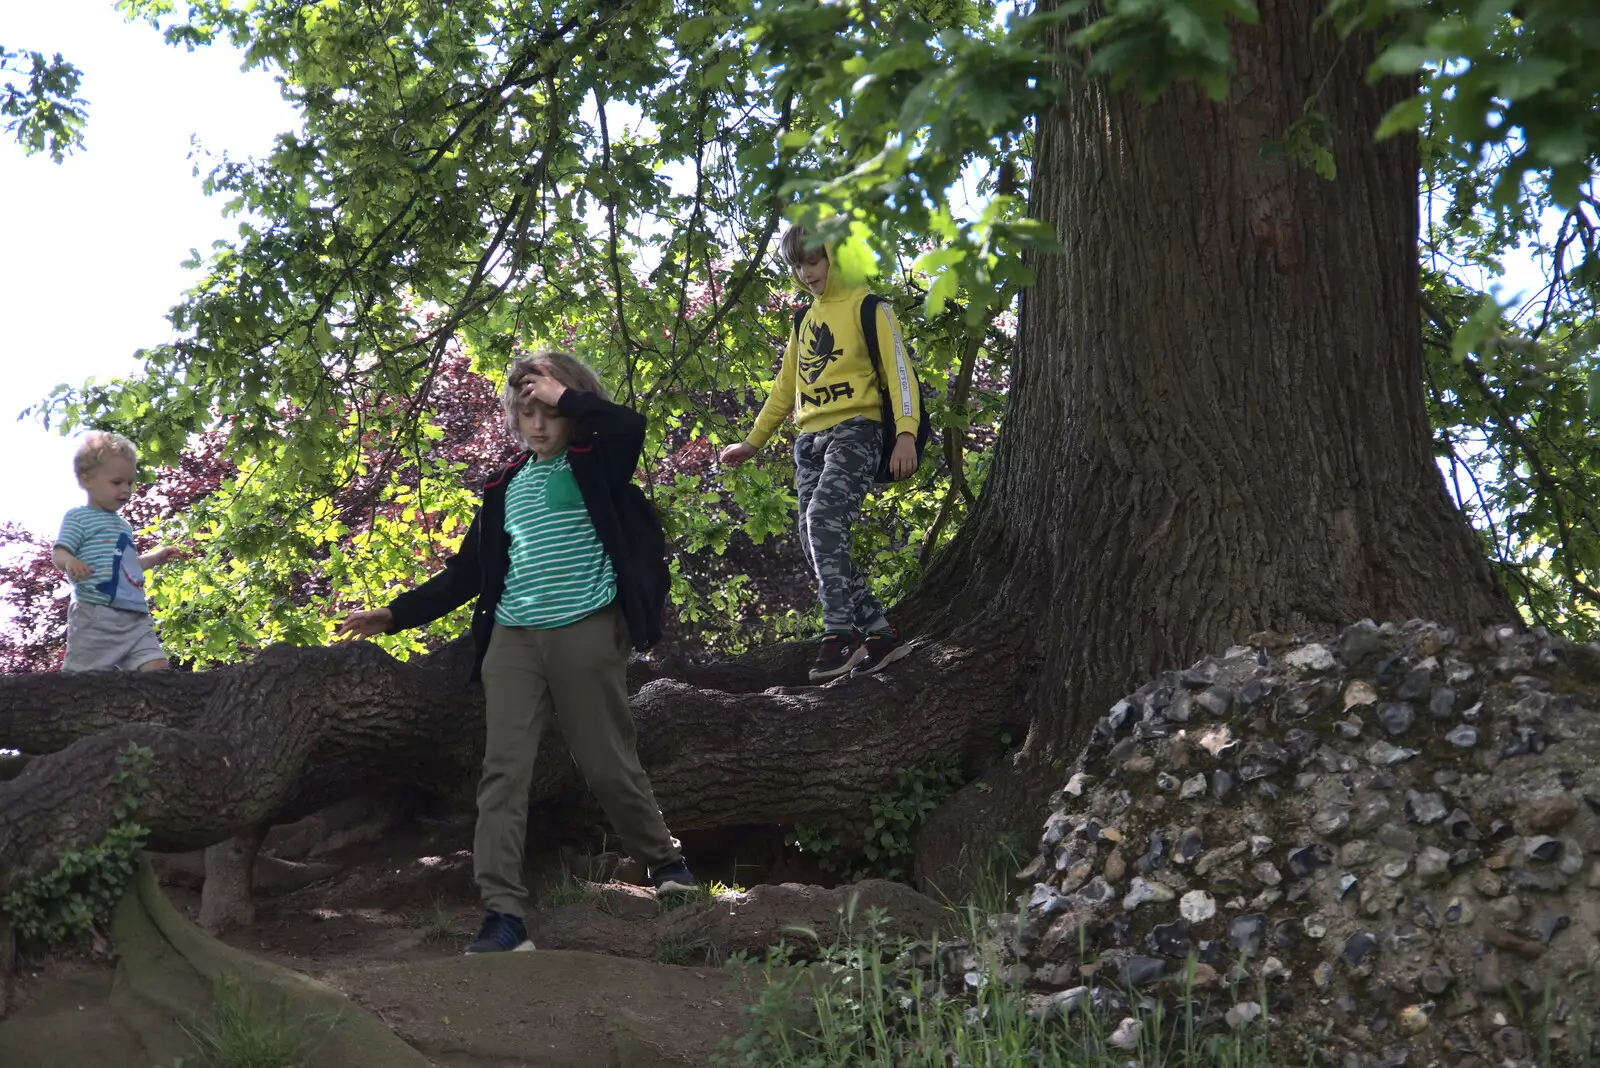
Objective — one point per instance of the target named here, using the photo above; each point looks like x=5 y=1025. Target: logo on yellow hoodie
x=822 y=352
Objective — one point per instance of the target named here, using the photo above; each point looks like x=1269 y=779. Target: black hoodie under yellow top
x=828 y=377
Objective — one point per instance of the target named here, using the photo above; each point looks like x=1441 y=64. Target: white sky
x=90 y=250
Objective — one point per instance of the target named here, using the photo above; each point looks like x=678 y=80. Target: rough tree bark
x=296 y=729
x=1216 y=422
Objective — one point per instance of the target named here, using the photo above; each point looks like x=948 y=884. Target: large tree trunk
x=1216 y=422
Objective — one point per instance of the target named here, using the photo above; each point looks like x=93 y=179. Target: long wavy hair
x=564 y=367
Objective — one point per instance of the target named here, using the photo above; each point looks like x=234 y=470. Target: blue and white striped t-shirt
x=104 y=541
x=560 y=572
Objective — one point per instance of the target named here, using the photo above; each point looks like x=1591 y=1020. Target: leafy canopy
x=476 y=177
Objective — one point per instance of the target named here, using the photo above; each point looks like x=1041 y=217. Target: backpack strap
x=869 y=333
x=800 y=317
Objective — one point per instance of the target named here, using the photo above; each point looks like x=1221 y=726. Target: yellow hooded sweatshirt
x=830 y=378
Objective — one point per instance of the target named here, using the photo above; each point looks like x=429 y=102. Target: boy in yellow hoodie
x=828 y=380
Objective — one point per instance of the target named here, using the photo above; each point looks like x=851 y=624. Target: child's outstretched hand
x=903 y=460
x=365 y=624
x=734 y=455
x=165 y=555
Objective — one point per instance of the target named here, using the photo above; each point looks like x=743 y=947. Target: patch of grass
x=994 y=877
x=240 y=1034
x=568 y=889
x=684 y=952
x=852 y=1006
x=702 y=893
x=439 y=923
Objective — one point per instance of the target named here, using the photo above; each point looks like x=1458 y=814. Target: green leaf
x=1404 y=117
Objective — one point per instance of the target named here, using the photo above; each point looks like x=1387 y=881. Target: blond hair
x=795 y=252
x=96 y=447
x=564 y=367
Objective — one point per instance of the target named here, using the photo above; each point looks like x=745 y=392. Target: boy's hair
x=96 y=447
x=564 y=367
x=793 y=247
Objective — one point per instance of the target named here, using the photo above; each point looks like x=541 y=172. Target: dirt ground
x=387 y=932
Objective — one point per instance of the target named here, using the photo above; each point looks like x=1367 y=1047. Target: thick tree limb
x=297 y=729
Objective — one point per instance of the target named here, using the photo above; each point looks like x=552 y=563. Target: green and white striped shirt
x=559 y=570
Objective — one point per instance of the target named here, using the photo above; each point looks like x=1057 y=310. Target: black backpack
x=869 y=331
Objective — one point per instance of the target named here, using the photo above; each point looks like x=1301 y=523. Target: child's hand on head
x=540 y=387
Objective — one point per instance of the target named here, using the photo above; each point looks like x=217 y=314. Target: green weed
x=237 y=1033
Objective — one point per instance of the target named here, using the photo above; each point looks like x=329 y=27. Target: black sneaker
x=501 y=934
x=838 y=654
x=882 y=648
x=674 y=878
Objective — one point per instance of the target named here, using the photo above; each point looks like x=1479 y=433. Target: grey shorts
x=102 y=638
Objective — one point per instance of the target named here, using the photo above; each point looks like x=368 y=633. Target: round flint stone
x=1357 y=946
x=1442 y=703
x=1142 y=971
x=1396 y=716
x=1463 y=737
x=1169 y=940
x=1307 y=859
x=1097 y=892
x=1310 y=658
x=1542 y=848
x=1142 y=890
x=1331 y=819
x=1246 y=932
x=1197 y=906
x=1152 y=857
x=1425 y=808
x=1384 y=754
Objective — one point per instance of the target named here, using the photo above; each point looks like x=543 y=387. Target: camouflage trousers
x=833 y=470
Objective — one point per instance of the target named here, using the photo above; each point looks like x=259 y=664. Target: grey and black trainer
x=501 y=934
x=836 y=656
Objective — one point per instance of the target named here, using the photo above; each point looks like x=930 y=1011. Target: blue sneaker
x=674 y=878
x=501 y=934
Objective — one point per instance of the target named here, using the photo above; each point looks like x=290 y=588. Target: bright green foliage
x=484 y=177
x=67 y=903
x=1513 y=84
x=882 y=848
x=39 y=102
x=1511 y=384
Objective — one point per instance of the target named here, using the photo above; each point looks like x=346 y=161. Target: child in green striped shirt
x=567 y=560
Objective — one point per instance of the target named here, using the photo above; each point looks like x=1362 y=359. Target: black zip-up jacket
x=604 y=451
